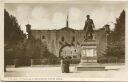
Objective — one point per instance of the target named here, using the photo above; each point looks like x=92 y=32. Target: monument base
x=90 y=64
x=89 y=57
x=90 y=67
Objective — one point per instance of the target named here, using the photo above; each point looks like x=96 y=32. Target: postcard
x=63 y=40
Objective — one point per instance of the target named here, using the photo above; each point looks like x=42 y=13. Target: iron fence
x=14 y=62
x=110 y=60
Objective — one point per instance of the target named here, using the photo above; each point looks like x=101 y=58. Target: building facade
x=68 y=41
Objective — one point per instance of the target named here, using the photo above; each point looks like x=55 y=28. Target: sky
x=53 y=15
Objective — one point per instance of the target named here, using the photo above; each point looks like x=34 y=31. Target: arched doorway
x=69 y=50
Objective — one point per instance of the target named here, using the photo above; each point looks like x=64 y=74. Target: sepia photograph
x=64 y=40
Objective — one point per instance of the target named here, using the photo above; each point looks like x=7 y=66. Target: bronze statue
x=89 y=25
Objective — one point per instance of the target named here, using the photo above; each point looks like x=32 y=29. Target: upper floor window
x=75 y=50
x=43 y=37
x=62 y=38
x=73 y=38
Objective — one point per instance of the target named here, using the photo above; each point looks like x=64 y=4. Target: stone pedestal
x=89 y=57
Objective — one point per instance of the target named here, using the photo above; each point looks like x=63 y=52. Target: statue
x=89 y=25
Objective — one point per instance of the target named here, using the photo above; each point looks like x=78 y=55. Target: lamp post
x=107 y=30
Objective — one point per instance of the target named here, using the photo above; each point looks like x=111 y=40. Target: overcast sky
x=53 y=16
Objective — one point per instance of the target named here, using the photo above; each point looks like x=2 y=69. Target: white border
x=124 y=74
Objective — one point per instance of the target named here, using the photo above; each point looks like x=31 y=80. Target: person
x=66 y=65
x=89 y=25
x=67 y=62
x=63 y=65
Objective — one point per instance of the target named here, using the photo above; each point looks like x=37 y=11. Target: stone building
x=56 y=39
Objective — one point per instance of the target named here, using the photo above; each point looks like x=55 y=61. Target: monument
x=89 y=49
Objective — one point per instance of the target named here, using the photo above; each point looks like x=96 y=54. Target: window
x=43 y=37
x=73 y=38
x=75 y=50
x=62 y=38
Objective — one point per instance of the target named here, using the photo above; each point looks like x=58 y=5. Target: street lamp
x=107 y=31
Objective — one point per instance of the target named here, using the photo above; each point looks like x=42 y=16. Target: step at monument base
x=90 y=67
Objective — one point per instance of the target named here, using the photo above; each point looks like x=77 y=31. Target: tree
x=12 y=30
x=13 y=36
x=116 y=39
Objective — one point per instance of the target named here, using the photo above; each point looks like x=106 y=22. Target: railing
x=89 y=59
x=51 y=61
x=13 y=62
x=110 y=60
x=45 y=61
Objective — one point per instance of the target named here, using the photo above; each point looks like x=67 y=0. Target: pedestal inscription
x=89 y=57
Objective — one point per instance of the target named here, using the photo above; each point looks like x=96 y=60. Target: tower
x=28 y=30
x=67 y=22
x=107 y=28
